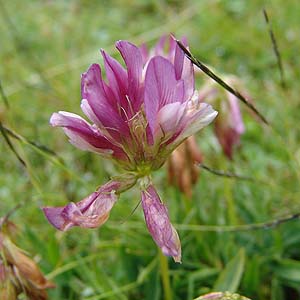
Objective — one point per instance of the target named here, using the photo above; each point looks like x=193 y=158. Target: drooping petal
x=158 y=223
x=99 y=206
x=92 y=211
x=161 y=88
x=134 y=62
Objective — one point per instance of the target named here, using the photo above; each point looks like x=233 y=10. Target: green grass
x=46 y=45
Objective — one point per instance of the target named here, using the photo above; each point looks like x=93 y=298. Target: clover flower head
x=139 y=115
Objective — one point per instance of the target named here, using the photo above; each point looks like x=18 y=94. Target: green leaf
x=288 y=270
x=229 y=279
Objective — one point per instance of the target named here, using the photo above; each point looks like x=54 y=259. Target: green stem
x=165 y=277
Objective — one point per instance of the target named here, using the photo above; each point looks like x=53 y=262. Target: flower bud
x=19 y=273
x=182 y=169
x=229 y=124
x=159 y=225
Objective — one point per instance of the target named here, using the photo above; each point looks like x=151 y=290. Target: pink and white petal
x=67 y=119
x=196 y=119
x=88 y=111
x=134 y=62
x=82 y=144
x=84 y=136
x=168 y=119
x=158 y=224
x=160 y=88
x=78 y=126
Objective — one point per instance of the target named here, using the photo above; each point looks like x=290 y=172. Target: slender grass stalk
x=165 y=277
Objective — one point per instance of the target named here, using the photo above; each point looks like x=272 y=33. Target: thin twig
x=275 y=49
x=226 y=174
x=217 y=79
x=3 y=96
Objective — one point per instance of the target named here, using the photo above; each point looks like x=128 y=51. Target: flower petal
x=104 y=107
x=235 y=112
x=117 y=78
x=196 y=119
x=134 y=62
x=144 y=52
x=92 y=211
x=229 y=126
x=168 y=119
x=184 y=70
x=161 y=88
x=158 y=223
x=84 y=136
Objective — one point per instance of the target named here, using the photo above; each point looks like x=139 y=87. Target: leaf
x=288 y=270
x=229 y=279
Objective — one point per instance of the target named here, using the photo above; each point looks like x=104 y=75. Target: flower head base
x=140 y=115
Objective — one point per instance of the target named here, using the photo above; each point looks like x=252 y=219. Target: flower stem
x=165 y=277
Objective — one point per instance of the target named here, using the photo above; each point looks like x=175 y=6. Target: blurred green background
x=46 y=45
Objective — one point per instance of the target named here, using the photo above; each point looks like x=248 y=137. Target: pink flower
x=139 y=116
